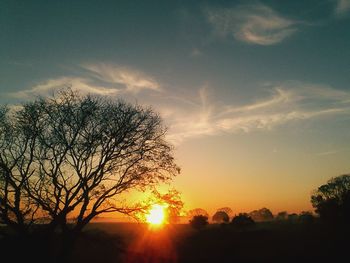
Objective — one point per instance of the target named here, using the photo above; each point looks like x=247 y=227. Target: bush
x=221 y=217
x=243 y=220
x=199 y=222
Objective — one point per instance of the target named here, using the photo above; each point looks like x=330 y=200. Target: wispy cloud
x=48 y=87
x=195 y=52
x=326 y=153
x=100 y=79
x=254 y=24
x=287 y=102
x=342 y=7
x=134 y=80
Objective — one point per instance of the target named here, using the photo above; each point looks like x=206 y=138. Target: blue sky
x=255 y=93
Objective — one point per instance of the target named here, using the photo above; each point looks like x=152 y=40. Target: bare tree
x=17 y=209
x=69 y=158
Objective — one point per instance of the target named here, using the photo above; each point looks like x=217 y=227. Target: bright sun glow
x=156 y=215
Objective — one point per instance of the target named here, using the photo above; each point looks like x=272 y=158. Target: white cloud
x=326 y=153
x=257 y=24
x=100 y=79
x=342 y=7
x=134 y=80
x=195 y=52
x=48 y=87
x=287 y=102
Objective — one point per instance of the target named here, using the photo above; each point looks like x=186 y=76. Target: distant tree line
x=200 y=220
x=331 y=202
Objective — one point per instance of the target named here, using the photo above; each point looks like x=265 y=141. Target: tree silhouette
x=242 y=220
x=198 y=222
x=332 y=200
x=262 y=214
x=221 y=217
x=306 y=217
x=67 y=159
x=293 y=217
x=197 y=212
x=283 y=215
x=226 y=209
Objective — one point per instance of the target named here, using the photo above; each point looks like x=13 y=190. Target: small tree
x=332 y=200
x=281 y=216
x=221 y=217
x=199 y=222
x=262 y=214
x=197 y=212
x=226 y=209
x=242 y=220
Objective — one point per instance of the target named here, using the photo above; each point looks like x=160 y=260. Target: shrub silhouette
x=243 y=220
x=221 y=217
x=293 y=218
x=306 y=217
x=199 y=222
x=281 y=216
x=263 y=214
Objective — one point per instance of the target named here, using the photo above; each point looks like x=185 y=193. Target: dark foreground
x=136 y=243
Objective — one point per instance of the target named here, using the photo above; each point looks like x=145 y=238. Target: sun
x=156 y=215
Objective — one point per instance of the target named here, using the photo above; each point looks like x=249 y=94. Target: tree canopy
x=199 y=221
x=263 y=214
x=70 y=157
x=332 y=200
x=221 y=217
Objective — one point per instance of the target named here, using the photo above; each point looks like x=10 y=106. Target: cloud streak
x=48 y=87
x=99 y=79
x=254 y=24
x=133 y=80
x=190 y=116
x=342 y=7
x=287 y=102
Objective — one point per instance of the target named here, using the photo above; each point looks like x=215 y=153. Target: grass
x=265 y=242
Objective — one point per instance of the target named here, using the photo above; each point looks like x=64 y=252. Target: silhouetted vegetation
x=306 y=217
x=221 y=217
x=74 y=154
x=242 y=220
x=283 y=215
x=261 y=215
x=197 y=212
x=332 y=200
x=225 y=209
x=199 y=222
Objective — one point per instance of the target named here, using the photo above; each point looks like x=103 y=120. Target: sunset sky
x=256 y=94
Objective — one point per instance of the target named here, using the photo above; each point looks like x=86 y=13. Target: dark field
x=266 y=242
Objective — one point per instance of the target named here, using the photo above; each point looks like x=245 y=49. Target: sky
x=255 y=94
